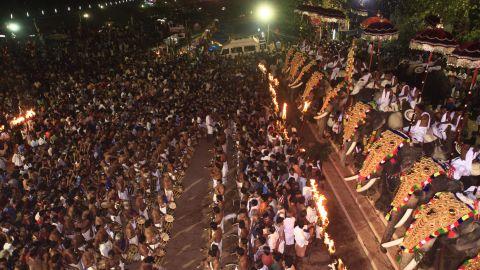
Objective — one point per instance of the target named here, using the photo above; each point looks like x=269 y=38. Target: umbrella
x=466 y=56
x=320 y=13
x=365 y=23
x=378 y=28
x=382 y=30
x=434 y=39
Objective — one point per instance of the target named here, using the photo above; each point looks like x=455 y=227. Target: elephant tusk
x=287 y=70
x=411 y=265
x=393 y=243
x=297 y=85
x=322 y=115
x=404 y=218
x=368 y=185
x=351 y=178
x=464 y=199
x=350 y=150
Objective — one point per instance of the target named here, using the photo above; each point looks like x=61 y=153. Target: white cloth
x=307 y=193
x=288 y=227
x=18 y=159
x=417 y=131
x=384 y=100
x=300 y=237
x=463 y=167
x=273 y=240
x=209 y=123
x=105 y=248
x=311 y=215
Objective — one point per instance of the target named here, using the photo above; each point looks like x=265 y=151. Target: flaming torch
x=262 y=68
x=306 y=105
x=22 y=118
x=329 y=243
x=284 y=111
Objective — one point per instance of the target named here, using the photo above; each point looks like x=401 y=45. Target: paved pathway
x=184 y=249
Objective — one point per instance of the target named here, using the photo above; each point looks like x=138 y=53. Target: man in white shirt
x=288 y=227
x=210 y=125
x=301 y=239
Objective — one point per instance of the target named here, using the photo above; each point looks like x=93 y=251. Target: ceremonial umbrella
x=324 y=14
x=365 y=23
x=319 y=14
x=466 y=56
x=433 y=40
x=380 y=30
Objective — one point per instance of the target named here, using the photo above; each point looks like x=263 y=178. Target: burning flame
x=306 y=105
x=330 y=244
x=262 y=68
x=22 y=118
x=284 y=111
x=273 y=80
x=320 y=201
x=273 y=93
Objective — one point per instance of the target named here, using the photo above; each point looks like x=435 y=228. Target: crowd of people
x=276 y=217
x=96 y=133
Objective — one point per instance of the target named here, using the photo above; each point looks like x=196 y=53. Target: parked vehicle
x=239 y=46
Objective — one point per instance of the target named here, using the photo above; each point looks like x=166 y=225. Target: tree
x=461 y=17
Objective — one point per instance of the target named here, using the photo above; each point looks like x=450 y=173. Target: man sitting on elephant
x=387 y=100
x=462 y=165
x=422 y=124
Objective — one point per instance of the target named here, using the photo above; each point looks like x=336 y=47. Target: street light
x=265 y=14
x=86 y=15
x=13 y=27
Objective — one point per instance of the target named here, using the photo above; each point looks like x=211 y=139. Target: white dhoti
x=224 y=172
x=463 y=167
x=417 y=133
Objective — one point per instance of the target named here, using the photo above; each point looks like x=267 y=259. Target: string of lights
x=66 y=9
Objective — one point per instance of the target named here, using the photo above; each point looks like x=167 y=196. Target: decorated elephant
x=378 y=152
x=456 y=248
x=306 y=72
x=443 y=214
x=415 y=189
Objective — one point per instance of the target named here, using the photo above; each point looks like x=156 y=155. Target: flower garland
x=297 y=62
x=350 y=62
x=441 y=215
x=418 y=177
x=288 y=57
x=355 y=116
x=305 y=69
x=346 y=84
x=472 y=264
x=385 y=148
x=330 y=96
x=312 y=82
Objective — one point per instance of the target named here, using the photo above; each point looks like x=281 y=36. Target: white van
x=238 y=46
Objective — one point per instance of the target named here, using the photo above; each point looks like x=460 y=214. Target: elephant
x=375 y=121
x=453 y=250
x=462 y=238
x=403 y=217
